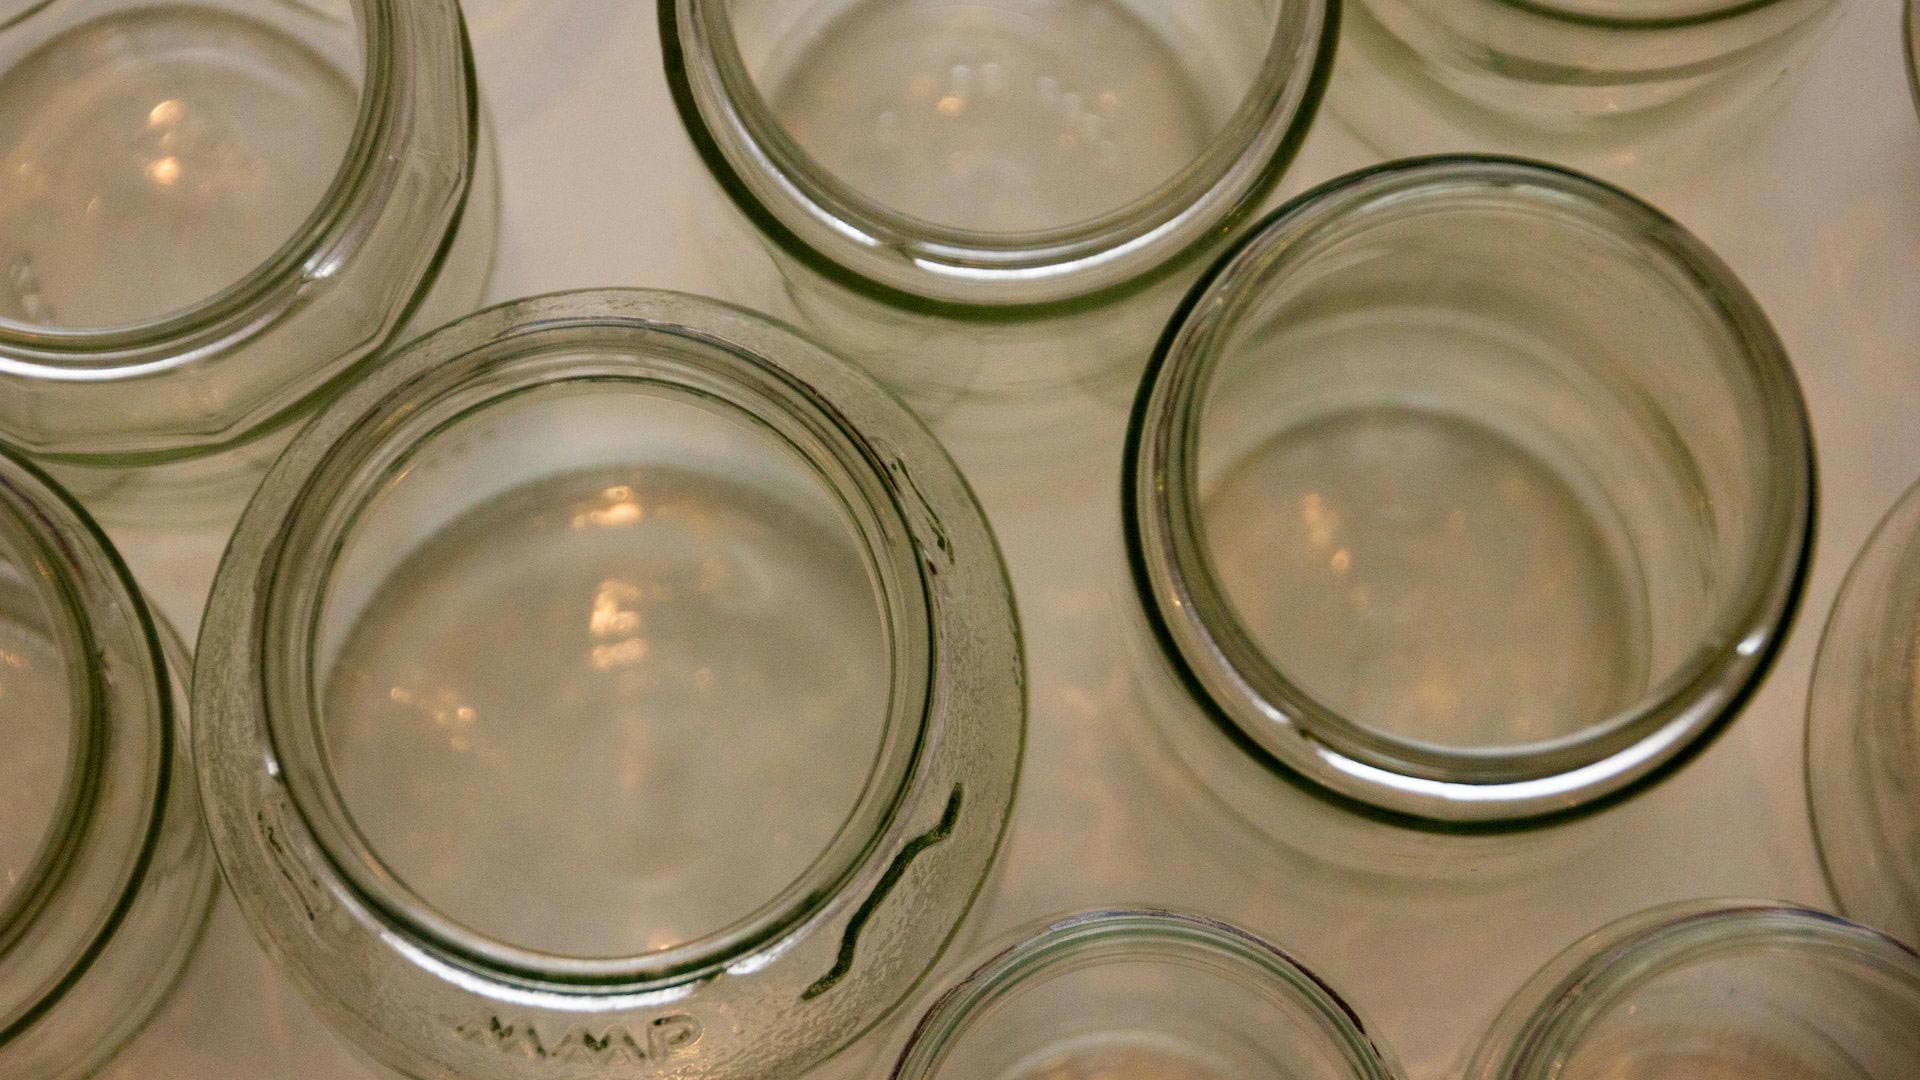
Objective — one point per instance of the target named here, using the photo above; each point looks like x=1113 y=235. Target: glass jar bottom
x=994 y=117
x=156 y=157
x=670 y=678
x=37 y=699
x=1427 y=578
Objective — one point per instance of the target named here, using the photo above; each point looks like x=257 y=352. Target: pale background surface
x=1817 y=209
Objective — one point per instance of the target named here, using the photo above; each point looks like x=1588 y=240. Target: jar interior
x=603 y=668
x=1147 y=1005
x=158 y=153
x=1004 y=116
x=1802 y=1005
x=43 y=708
x=1478 y=472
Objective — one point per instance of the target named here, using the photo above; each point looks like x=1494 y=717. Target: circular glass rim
x=1583 y=15
x=76 y=849
x=330 y=232
x=1407 y=781
x=1174 y=224
x=373 y=430
x=1578 y=986
x=953 y=1012
x=1901 y=523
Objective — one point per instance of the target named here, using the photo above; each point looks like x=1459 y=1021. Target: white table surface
x=1817 y=209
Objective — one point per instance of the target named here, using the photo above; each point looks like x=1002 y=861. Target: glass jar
x=1625 y=87
x=989 y=205
x=1468 y=491
x=710 y=620
x=105 y=878
x=209 y=211
x=1709 y=989
x=1863 y=730
x=1141 y=993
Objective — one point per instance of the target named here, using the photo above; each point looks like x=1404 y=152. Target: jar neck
x=107 y=823
x=816 y=219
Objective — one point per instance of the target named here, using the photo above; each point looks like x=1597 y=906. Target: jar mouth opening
x=1605 y=970
x=377 y=432
x=93 y=353
x=1120 y=935
x=102 y=819
x=877 y=249
x=1427 y=783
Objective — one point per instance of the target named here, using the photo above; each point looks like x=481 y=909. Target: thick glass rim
x=952 y=1013
x=99 y=847
x=1548 y=1017
x=379 y=429
x=1584 y=16
x=917 y=265
x=328 y=237
x=1408 y=781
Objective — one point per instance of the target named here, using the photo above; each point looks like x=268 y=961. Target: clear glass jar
x=1141 y=993
x=1863 y=730
x=1626 y=87
x=987 y=205
x=1709 y=989
x=212 y=210
x=105 y=876
x=1468 y=491
x=711 y=621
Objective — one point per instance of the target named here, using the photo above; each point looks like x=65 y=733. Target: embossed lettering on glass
x=1141 y=994
x=1863 y=731
x=986 y=201
x=1469 y=490
x=105 y=875
x=1628 y=87
x=210 y=210
x=1744 y=990
x=609 y=680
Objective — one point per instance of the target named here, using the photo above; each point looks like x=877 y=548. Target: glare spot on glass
x=951 y=105
x=1342 y=561
x=611 y=616
x=165 y=114
x=164 y=171
x=1319 y=520
x=622 y=508
x=621 y=654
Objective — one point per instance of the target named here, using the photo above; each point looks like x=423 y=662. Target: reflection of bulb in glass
x=165 y=114
x=164 y=171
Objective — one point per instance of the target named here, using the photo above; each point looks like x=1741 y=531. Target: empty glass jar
x=989 y=202
x=1863 y=730
x=1627 y=87
x=609 y=680
x=1468 y=491
x=1736 y=989
x=210 y=210
x=1142 y=994
x=105 y=875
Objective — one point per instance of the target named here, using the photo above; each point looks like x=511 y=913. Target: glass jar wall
x=210 y=211
x=710 y=616
x=105 y=875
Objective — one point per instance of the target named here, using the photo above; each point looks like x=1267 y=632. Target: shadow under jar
x=609 y=680
x=1147 y=994
x=1863 y=730
x=987 y=203
x=105 y=876
x=1627 y=87
x=1469 y=491
x=209 y=211
x=1715 y=990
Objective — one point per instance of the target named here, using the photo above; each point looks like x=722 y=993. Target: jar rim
x=972 y=274
x=1374 y=773
x=346 y=468
x=1548 y=1017
x=1038 y=950
x=100 y=845
x=328 y=236
x=1584 y=16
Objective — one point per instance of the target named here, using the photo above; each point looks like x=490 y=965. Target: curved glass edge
x=1480 y=814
